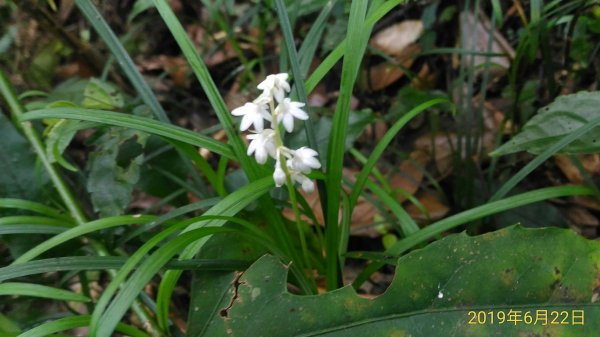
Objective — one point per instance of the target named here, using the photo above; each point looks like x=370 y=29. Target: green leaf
x=80 y=263
x=72 y=322
x=111 y=180
x=134 y=122
x=36 y=290
x=101 y=95
x=562 y=117
x=357 y=121
x=19 y=179
x=60 y=135
x=520 y=270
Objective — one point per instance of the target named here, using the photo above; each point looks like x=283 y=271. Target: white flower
x=275 y=86
x=279 y=174
x=307 y=185
x=287 y=110
x=304 y=160
x=262 y=144
x=253 y=113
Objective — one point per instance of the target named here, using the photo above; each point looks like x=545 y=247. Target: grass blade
x=542 y=157
x=340 y=50
x=32 y=207
x=383 y=143
x=36 y=290
x=357 y=41
x=82 y=230
x=456 y=220
x=72 y=322
x=288 y=39
x=80 y=263
x=151 y=126
x=113 y=314
x=209 y=87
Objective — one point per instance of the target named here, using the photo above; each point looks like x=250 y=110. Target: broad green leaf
x=101 y=95
x=433 y=292
x=553 y=122
x=59 y=136
x=36 y=290
x=209 y=289
x=111 y=178
x=19 y=178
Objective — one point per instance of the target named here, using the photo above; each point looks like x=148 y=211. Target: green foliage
x=553 y=122
x=519 y=273
x=110 y=183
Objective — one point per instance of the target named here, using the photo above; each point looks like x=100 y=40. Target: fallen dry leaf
x=579 y=216
x=383 y=74
x=435 y=208
x=590 y=162
x=410 y=174
x=475 y=35
x=394 y=39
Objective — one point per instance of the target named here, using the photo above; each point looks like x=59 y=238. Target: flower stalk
x=291 y=166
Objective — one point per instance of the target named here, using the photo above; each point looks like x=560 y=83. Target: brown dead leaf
x=175 y=66
x=425 y=79
x=587 y=202
x=383 y=74
x=475 y=35
x=394 y=39
x=590 y=162
x=410 y=174
x=433 y=205
x=579 y=216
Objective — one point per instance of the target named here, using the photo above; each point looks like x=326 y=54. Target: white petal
x=261 y=155
x=279 y=94
x=279 y=177
x=299 y=113
x=308 y=186
x=240 y=111
x=258 y=122
x=288 y=122
x=246 y=122
x=251 y=148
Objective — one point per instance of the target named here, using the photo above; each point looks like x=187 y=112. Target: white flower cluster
x=265 y=142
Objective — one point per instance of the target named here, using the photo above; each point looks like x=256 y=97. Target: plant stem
x=290 y=187
x=7 y=91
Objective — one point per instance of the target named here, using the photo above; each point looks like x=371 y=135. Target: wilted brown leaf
x=410 y=174
x=394 y=39
x=386 y=73
x=435 y=208
x=590 y=162
x=475 y=36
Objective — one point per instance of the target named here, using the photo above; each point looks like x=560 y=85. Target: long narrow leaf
x=209 y=87
x=383 y=143
x=117 y=309
x=357 y=41
x=72 y=322
x=340 y=50
x=36 y=290
x=148 y=125
x=462 y=218
x=229 y=206
x=82 y=230
x=32 y=206
x=542 y=157
x=79 y=263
